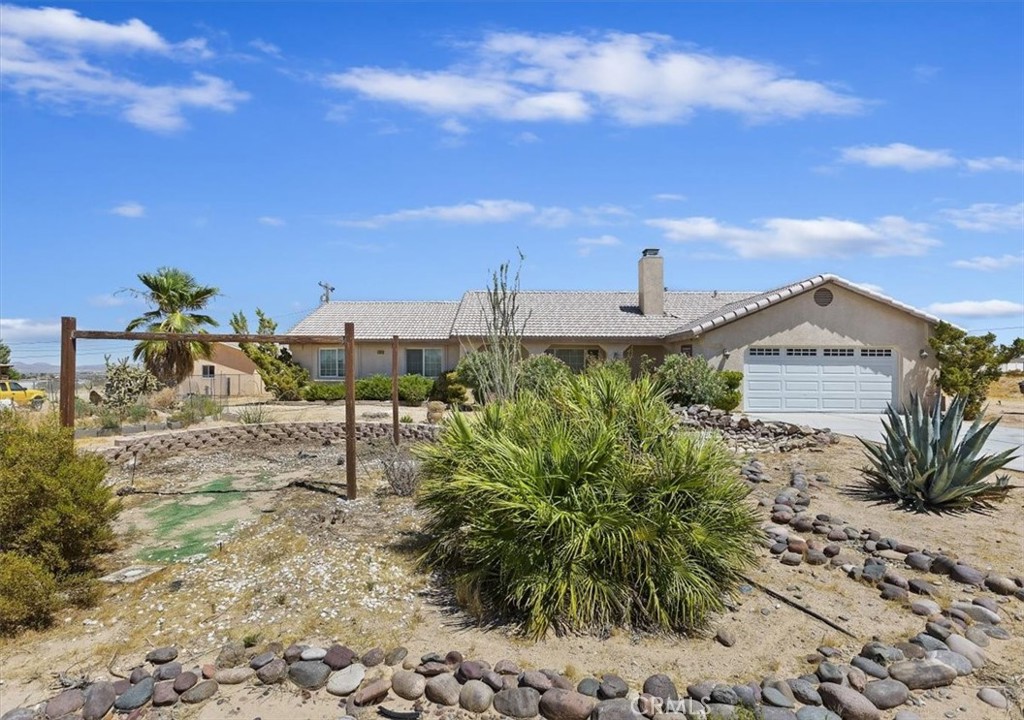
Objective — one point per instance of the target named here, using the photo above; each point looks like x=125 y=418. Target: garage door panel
x=809 y=383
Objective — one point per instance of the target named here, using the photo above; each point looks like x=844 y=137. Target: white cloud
x=636 y=79
x=480 y=211
x=669 y=197
x=525 y=138
x=454 y=127
x=554 y=217
x=267 y=48
x=803 y=238
x=987 y=263
x=998 y=162
x=54 y=56
x=22 y=329
x=107 y=300
x=898 y=155
x=987 y=217
x=271 y=221
x=587 y=244
x=129 y=210
x=978 y=308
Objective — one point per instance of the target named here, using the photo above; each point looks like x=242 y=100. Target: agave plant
x=926 y=463
x=583 y=509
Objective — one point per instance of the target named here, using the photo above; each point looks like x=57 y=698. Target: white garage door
x=818 y=379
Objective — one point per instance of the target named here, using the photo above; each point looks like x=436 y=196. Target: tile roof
x=593 y=314
x=374 y=320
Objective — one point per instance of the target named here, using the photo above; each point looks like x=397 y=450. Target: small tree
x=283 y=377
x=5 y=359
x=968 y=364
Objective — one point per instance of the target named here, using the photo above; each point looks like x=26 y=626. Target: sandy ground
x=1006 y=401
x=301 y=565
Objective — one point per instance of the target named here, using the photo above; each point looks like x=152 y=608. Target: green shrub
x=925 y=465
x=471 y=370
x=413 y=389
x=449 y=390
x=376 y=387
x=968 y=364
x=324 y=391
x=28 y=593
x=690 y=380
x=54 y=508
x=584 y=509
x=283 y=378
x=137 y=413
x=540 y=373
x=406 y=419
x=730 y=399
x=195 y=408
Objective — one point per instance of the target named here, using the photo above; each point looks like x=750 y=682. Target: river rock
x=1000 y=585
x=979 y=613
x=136 y=696
x=443 y=689
x=234 y=676
x=476 y=697
x=520 y=702
x=661 y=686
x=339 y=657
x=773 y=696
x=167 y=671
x=955 y=660
x=186 y=680
x=804 y=691
x=395 y=656
x=829 y=673
x=848 y=703
x=408 y=685
x=960 y=644
x=232 y=654
x=162 y=655
x=967 y=575
x=200 y=692
x=922 y=674
x=345 y=681
x=566 y=705
x=535 y=679
x=372 y=657
x=164 y=694
x=262 y=659
x=494 y=680
x=993 y=697
x=588 y=686
x=919 y=561
x=373 y=692
x=66 y=703
x=309 y=674
x=816 y=713
x=612 y=687
x=924 y=607
x=273 y=672
x=506 y=667
x=99 y=698
x=313 y=653
x=886 y=694
x=869 y=667
x=726 y=637
x=977 y=636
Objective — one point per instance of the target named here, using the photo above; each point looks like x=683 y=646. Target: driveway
x=869 y=427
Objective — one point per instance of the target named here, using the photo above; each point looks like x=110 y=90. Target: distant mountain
x=41 y=368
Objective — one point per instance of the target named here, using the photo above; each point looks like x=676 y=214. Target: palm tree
x=176 y=297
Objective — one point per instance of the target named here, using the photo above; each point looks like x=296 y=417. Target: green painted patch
x=171 y=516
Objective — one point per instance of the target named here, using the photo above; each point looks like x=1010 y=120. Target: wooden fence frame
x=70 y=334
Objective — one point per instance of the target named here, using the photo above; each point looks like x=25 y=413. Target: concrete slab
x=869 y=427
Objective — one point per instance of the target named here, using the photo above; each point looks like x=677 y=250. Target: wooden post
x=67 y=372
x=394 y=389
x=350 y=411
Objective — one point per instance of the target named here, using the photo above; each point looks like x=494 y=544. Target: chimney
x=652 y=283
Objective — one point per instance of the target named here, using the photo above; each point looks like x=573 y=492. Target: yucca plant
x=927 y=464
x=584 y=509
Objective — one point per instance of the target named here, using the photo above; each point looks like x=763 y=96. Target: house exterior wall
x=373 y=358
x=850 y=320
x=226 y=382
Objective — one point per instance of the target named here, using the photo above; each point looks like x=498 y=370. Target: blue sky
x=401 y=151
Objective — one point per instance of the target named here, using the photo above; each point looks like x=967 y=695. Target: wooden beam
x=67 y=372
x=394 y=390
x=350 y=411
x=209 y=337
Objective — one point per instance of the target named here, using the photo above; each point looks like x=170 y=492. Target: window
x=801 y=352
x=17 y=386
x=764 y=352
x=838 y=352
x=686 y=350
x=208 y=371
x=428 y=362
x=575 y=358
x=332 y=363
x=872 y=352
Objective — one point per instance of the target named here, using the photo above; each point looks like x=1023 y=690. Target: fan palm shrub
x=585 y=509
x=928 y=463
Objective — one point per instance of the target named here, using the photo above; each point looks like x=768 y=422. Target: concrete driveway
x=869 y=427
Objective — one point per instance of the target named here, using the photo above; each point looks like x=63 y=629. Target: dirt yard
x=242 y=556
x=1005 y=400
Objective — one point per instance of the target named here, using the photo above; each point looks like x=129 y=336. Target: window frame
x=339 y=368
x=590 y=353
x=423 y=361
x=208 y=371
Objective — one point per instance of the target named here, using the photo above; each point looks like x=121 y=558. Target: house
x=228 y=373
x=823 y=344
x=1015 y=365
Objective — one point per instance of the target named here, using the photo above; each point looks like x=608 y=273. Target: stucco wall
x=373 y=358
x=851 y=320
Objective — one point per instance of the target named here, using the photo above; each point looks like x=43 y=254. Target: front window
x=576 y=358
x=208 y=371
x=427 y=362
x=17 y=386
x=332 y=363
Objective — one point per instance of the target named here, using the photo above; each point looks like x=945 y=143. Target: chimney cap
x=650 y=252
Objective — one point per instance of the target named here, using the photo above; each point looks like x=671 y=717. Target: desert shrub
x=109 y=419
x=376 y=387
x=413 y=389
x=137 y=413
x=449 y=390
x=283 y=378
x=540 y=373
x=692 y=381
x=324 y=391
x=406 y=419
x=585 y=509
x=401 y=471
x=968 y=364
x=471 y=370
x=254 y=415
x=924 y=464
x=196 y=408
x=54 y=507
x=125 y=385
x=84 y=408
x=28 y=593
x=163 y=400
x=730 y=399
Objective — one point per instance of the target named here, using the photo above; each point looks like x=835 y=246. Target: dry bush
x=163 y=400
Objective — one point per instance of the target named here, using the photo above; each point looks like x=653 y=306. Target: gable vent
x=823 y=297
